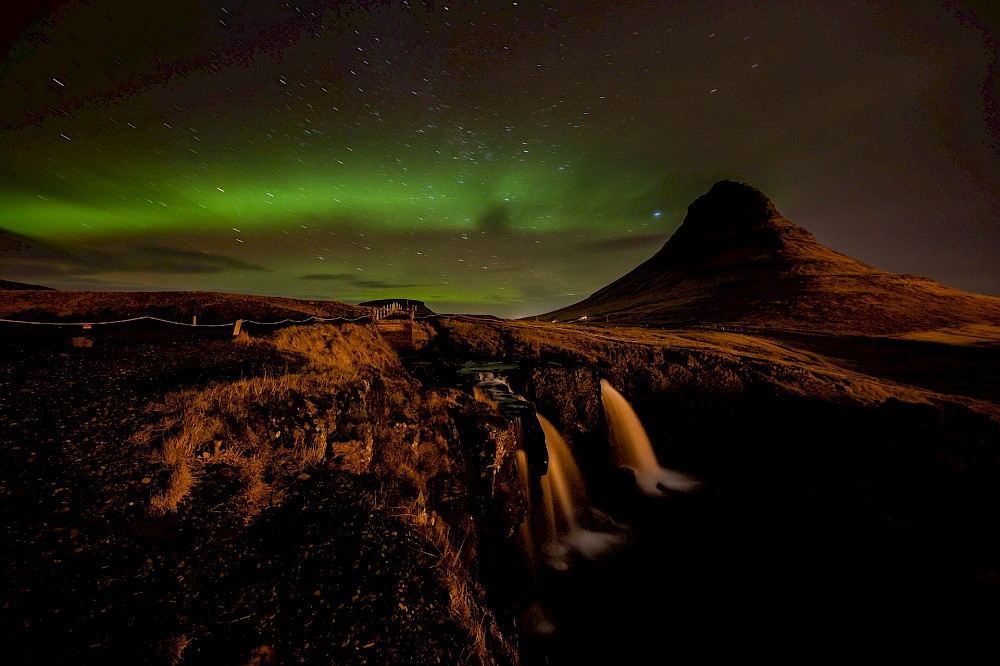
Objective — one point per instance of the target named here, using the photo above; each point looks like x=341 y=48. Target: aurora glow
x=505 y=158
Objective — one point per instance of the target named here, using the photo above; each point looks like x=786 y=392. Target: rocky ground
x=849 y=498
x=331 y=573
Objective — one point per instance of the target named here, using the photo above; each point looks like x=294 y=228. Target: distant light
x=657 y=213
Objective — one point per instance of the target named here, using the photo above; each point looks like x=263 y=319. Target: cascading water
x=631 y=447
x=527 y=538
x=595 y=617
x=569 y=492
x=490 y=388
x=564 y=498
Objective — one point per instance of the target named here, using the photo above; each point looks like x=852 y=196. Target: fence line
x=192 y=325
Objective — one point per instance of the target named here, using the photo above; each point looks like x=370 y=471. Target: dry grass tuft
x=172 y=649
x=464 y=593
x=341 y=349
x=182 y=480
x=267 y=429
x=226 y=425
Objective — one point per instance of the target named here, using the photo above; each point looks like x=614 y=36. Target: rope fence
x=283 y=322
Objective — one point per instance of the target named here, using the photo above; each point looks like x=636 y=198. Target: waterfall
x=565 y=497
x=569 y=493
x=527 y=538
x=491 y=388
x=631 y=448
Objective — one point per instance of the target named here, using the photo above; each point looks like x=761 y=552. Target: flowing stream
x=604 y=584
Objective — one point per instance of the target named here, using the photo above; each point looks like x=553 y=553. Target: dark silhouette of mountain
x=736 y=261
x=7 y=285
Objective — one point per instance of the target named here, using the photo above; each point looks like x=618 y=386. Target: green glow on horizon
x=450 y=195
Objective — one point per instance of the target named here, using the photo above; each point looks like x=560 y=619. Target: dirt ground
x=853 y=485
x=332 y=575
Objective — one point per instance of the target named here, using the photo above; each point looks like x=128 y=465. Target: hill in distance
x=736 y=261
x=42 y=304
x=8 y=285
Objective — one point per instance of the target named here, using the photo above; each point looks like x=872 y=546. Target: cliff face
x=842 y=474
x=737 y=261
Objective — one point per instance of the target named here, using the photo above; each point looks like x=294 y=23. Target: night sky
x=503 y=158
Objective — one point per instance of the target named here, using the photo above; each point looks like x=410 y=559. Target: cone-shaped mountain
x=736 y=261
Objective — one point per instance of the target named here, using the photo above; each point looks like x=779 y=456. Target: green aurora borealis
x=503 y=158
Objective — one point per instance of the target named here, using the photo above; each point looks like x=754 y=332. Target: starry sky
x=503 y=158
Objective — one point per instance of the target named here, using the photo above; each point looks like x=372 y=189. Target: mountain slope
x=736 y=261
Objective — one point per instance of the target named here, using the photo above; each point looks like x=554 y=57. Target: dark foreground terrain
x=309 y=494
x=295 y=557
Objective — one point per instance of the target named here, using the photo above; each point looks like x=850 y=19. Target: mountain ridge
x=736 y=261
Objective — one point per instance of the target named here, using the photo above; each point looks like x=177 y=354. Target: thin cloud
x=351 y=280
x=163 y=260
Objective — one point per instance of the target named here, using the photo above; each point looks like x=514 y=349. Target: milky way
x=504 y=158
